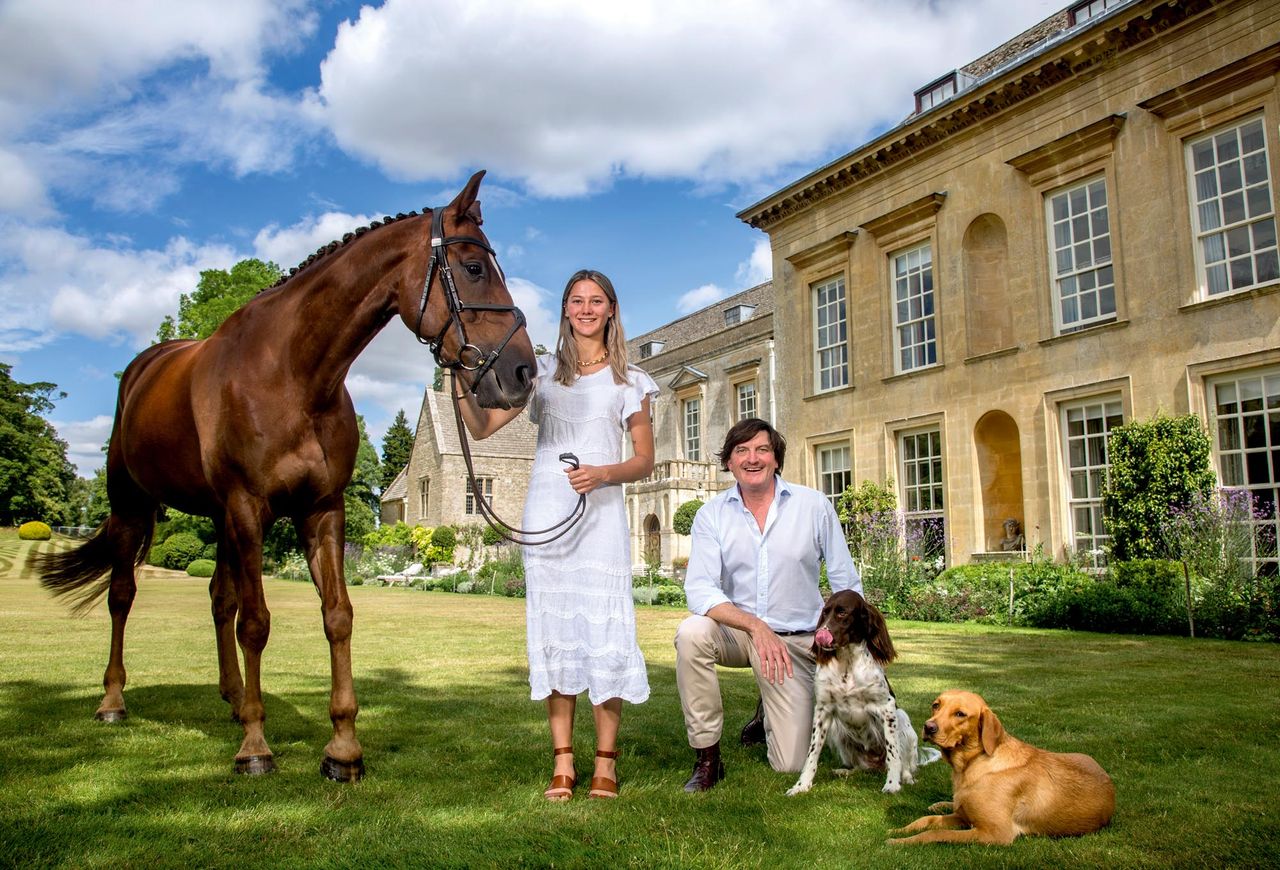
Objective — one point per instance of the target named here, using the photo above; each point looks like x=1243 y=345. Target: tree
x=361 y=495
x=397 y=445
x=1155 y=467
x=682 y=522
x=36 y=478
x=217 y=296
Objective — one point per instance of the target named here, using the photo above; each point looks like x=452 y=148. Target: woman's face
x=588 y=309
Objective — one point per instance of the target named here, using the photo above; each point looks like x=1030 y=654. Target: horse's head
x=466 y=313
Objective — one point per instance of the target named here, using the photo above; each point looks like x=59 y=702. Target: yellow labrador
x=1003 y=788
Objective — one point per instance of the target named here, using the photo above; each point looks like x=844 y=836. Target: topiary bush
x=682 y=522
x=201 y=568
x=210 y=552
x=34 y=531
x=490 y=537
x=180 y=550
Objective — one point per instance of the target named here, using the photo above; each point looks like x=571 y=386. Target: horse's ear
x=466 y=203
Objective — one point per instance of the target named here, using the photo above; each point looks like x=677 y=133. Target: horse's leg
x=322 y=535
x=127 y=535
x=242 y=535
x=226 y=603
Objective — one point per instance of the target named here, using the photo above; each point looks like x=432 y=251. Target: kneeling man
x=752 y=583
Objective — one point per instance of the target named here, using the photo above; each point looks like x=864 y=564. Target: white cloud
x=700 y=297
x=84 y=442
x=291 y=245
x=758 y=268
x=568 y=95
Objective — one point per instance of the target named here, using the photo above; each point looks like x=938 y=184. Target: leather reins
x=472 y=359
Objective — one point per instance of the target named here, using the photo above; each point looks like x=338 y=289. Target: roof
x=517 y=439
x=398 y=488
x=1042 y=57
x=704 y=321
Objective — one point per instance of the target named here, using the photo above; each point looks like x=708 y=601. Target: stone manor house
x=1073 y=231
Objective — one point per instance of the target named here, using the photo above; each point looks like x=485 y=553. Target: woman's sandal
x=601 y=786
x=561 y=788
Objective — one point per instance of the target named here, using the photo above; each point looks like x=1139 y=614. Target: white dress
x=580 y=616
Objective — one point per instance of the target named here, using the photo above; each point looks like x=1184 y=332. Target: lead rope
x=506 y=530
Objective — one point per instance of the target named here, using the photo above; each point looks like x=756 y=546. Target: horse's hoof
x=111 y=715
x=342 y=771
x=255 y=765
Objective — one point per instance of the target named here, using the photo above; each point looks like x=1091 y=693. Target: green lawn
x=457 y=756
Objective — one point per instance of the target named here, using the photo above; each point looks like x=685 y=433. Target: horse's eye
x=474 y=269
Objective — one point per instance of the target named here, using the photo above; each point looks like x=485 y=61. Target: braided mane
x=325 y=250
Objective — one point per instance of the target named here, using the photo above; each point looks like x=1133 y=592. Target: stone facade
x=1083 y=235
x=705 y=364
x=435 y=480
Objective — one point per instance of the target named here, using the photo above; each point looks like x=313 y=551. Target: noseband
x=472 y=359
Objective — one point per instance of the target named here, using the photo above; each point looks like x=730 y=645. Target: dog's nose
x=930 y=728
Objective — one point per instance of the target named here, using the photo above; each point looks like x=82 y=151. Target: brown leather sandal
x=607 y=788
x=561 y=785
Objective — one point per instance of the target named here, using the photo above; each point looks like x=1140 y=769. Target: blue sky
x=142 y=141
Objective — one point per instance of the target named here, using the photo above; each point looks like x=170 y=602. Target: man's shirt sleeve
x=841 y=572
x=702 y=578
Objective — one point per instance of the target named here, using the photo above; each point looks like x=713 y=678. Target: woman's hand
x=585 y=478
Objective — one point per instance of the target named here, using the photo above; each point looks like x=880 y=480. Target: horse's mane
x=325 y=250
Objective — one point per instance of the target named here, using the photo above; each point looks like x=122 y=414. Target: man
x=752 y=583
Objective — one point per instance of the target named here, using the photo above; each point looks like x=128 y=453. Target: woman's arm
x=481 y=422
x=587 y=477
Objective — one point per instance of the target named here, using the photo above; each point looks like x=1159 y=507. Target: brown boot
x=753 y=732
x=707 y=770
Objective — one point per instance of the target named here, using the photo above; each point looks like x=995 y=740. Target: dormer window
x=941 y=90
x=649 y=348
x=1091 y=9
x=737 y=314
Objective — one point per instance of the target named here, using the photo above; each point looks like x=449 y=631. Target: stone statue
x=1014 y=540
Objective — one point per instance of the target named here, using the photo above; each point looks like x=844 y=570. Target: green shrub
x=34 y=531
x=201 y=568
x=180 y=550
x=672 y=595
x=397 y=535
x=490 y=537
x=1155 y=467
x=1158 y=592
x=514 y=588
x=643 y=594
x=682 y=522
x=210 y=552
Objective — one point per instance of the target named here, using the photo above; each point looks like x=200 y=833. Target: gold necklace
x=594 y=362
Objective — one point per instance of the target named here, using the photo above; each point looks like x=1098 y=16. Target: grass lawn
x=457 y=755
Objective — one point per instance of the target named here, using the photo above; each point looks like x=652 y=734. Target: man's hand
x=775 y=659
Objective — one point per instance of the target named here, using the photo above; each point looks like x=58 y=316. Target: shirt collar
x=780 y=488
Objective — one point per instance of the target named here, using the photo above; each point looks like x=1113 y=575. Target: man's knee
x=695 y=633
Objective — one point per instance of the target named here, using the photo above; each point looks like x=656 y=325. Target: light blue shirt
x=772 y=574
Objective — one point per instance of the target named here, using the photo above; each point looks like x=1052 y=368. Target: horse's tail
x=83 y=572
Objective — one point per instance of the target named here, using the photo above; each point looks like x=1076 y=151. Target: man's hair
x=746 y=429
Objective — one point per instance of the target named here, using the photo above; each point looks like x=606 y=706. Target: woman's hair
x=743 y=431
x=615 y=343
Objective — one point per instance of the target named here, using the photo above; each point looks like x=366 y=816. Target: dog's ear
x=879 y=644
x=990 y=730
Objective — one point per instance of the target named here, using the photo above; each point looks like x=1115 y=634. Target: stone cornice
x=1081 y=146
x=1232 y=77
x=833 y=248
x=906 y=219
x=1080 y=55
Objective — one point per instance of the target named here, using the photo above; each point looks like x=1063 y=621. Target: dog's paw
x=842 y=772
x=892 y=787
x=797 y=789
x=942 y=807
x=908 y=779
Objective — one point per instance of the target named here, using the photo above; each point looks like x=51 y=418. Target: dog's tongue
x=823 y=637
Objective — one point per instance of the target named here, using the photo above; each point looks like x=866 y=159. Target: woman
x=581 y=619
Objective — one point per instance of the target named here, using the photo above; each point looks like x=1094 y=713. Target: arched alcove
x=995 y=438
x=652 y=539
x=988 y=308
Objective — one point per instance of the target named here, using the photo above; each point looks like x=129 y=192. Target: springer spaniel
x=854 y=707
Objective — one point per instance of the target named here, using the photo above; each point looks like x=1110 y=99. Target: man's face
x=753 y=464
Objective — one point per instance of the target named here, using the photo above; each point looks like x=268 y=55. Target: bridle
x=471 y=358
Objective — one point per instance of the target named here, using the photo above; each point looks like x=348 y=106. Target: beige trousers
x=701 y=644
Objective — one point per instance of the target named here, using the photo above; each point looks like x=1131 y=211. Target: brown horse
x=255 y=423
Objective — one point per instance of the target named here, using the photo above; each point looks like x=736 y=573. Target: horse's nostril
x=524 y=376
